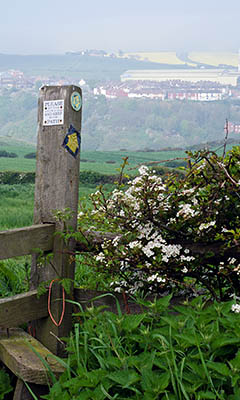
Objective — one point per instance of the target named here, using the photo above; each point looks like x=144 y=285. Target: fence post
x=56 y=188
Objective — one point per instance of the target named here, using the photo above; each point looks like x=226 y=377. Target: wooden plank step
x=16 y=353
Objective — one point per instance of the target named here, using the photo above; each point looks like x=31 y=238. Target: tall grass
x=16 y=206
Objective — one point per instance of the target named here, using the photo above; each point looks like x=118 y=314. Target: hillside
x=126 y=123
x=74 y=66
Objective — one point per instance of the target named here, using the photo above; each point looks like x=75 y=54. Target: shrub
x=4 y=153
x=30 y=155
x=177 y=235
x=11 y=177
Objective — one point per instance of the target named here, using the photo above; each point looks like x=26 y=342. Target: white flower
x=186 y=210
x=187 y=258
x=185 y=270
x=116 y=240
x=134 y=244
x=143 y=170
x=100 y=257
x=207 y=225
x=236 y=308
x=232 y=260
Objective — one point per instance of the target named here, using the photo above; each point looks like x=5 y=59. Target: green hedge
x=85 y=177
x=12 y=178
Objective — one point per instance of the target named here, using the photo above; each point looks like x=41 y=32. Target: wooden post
x=56 y=188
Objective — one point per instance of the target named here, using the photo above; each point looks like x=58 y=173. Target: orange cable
x=49 y=304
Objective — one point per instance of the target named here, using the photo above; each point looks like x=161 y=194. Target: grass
x=17 y=203
x=20 y=163
x=106 y=162
x=16 y=206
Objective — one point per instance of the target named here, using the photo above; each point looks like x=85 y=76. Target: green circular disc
x=76 y=101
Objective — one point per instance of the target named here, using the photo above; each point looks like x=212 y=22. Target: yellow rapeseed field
x=214 y=59
x=163 y=57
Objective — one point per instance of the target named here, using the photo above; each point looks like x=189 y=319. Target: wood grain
x=16 y=352
x=23 y=241
x=22 y=308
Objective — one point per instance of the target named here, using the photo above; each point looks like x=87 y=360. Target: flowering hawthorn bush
x=173 y=235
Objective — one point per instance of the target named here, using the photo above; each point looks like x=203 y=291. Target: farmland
x=193 y=58
x=161 y=57
x=214 y=59
x=105 y=162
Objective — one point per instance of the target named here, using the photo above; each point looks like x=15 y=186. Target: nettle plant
x=178 y=236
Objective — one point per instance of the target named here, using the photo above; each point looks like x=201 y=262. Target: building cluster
x=168 y=90
x=13 y=79
x=233 y=128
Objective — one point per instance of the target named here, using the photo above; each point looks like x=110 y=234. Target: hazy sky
x=56 y=26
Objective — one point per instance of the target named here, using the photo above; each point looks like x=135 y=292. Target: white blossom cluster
x=236 y=308
x=186 y=211
x=206 y=225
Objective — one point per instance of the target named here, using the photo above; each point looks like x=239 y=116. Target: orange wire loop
x=49 y=304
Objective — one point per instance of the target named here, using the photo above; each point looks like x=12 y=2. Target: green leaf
x=206 y=395
x=5 y=386
x=224 y=341
x=236 y=361
x=163 y=380
x=163 y=303
x=219 y=367
x=131 y=322
x=124 y=378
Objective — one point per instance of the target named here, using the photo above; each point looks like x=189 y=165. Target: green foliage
x=5 y=384
x=187 y=352
x=14 y=276
x=12 y=178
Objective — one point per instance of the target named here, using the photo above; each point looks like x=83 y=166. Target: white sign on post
x=53 y=112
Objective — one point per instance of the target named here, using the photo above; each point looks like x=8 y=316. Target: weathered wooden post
x=56 y=188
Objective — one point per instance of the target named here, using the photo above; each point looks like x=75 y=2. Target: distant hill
x=75 y=66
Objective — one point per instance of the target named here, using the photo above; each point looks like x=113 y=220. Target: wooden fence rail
x=24 y=241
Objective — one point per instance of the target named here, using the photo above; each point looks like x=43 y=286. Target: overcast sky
x=56 y=26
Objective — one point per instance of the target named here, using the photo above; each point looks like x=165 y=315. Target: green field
x=16 y=201
x=105 y=162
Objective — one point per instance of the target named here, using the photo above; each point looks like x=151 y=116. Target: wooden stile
x=56 y=188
